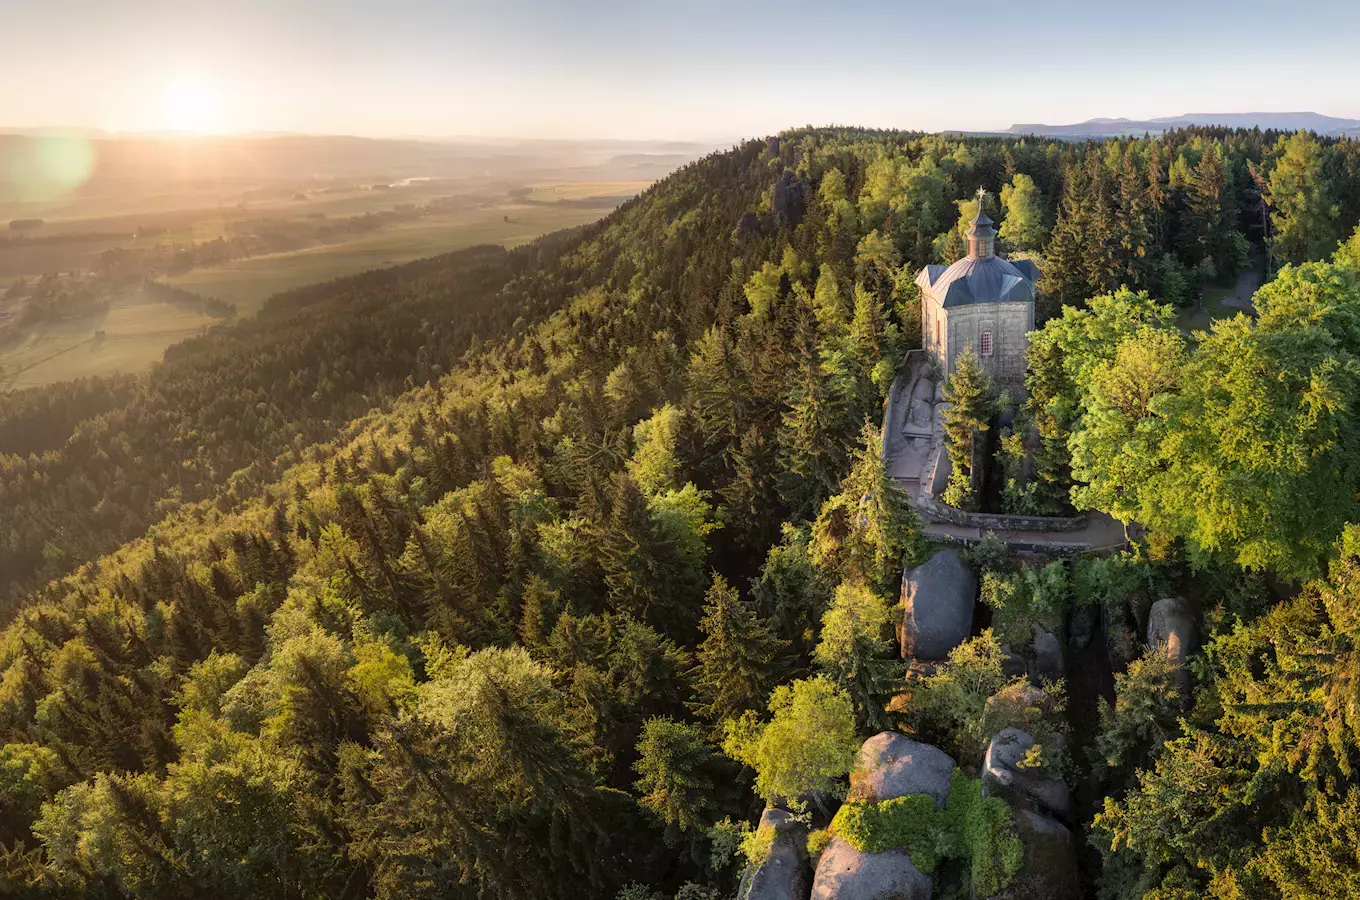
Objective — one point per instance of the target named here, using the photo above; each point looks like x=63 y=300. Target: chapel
x=983 y=302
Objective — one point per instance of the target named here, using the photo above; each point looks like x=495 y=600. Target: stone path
x=1247 y=284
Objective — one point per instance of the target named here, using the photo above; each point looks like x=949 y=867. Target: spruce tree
x=1065 y=271
x=1102 y=254
x=867 y=530
x=812 y=440
x=854 y=651
x=1135 y=235
x=740 y=659
x=968 y=391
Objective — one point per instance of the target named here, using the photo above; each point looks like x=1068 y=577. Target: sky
x=691 y=70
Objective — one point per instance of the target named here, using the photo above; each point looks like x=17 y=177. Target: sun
x=189 y=105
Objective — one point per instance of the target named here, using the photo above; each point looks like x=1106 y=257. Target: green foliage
x=855 y=652
x=1304 y=211
x=740 y=659
x=971 y=827
x=1262 y=765
x=756 y=845
x=680 y=777
x=1025 y=599
x=790 y=590
x=808 y=744
x=868 y=530
x=1024 y=225
x=946 y=709
x=294 y=672
x=1142 y=719
x=817 y=841
x=969 y=393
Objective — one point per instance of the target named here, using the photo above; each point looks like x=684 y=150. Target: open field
x=137 y=330
x=136 y=333
x=249 y=282
x=240 y=220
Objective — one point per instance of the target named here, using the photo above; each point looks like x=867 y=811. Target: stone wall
x=1010 y=325
x=998 y=521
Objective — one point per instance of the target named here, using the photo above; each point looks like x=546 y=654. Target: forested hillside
x=478 y=576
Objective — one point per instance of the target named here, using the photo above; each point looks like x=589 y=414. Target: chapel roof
x=985 y=279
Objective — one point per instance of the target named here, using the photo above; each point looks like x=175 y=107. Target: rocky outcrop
x=844 y=873
x=1024 y=706
x=892 y=765
x=784 y=873
x=938 y=597
x=1171 y=631
x=788 y=204
x=1081 y=627
x=748 y=226
x=1048 y=664
x=1003 y=774
x=1049 y=870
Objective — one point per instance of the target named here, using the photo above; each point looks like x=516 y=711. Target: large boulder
x=1171 y=631
x=784 y=873
x=938 y=596
x=1001 y=769
x=891 y=765
x=844 y=873
x=1048 y=662
x=1049 y=870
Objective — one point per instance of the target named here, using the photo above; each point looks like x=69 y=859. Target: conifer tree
x=867 y=531
x=829 y=302
x=680 y=776
x=854 y=651
x=968 y=391
x=1135 y=236
x=812 y=440
x=1065 y=272
x=1102 y=254
x=740 y=659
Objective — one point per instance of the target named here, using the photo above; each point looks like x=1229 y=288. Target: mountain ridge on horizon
x=1332 y=126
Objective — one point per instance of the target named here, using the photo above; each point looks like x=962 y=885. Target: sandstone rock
x=892 y=765
x=1048 y=656
x=787 y=205
x=1081 y=627
x=1049 y=871
x=784 y=873
x=1024 y=706
x=844 y=873
x=748 y=226
x=1001 y=768
x=938 y=596
x=1012 y=663
x=1171 y=631
x=1121 y=641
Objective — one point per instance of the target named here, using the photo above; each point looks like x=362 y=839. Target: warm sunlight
x=190 y=105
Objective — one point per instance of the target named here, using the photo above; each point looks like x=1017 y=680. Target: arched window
x=985 y=344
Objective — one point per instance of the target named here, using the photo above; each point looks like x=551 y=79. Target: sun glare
x=190 y=106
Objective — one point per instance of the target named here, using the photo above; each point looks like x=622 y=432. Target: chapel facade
x=983 y=302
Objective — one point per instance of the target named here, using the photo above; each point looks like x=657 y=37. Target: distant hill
x=1280 y=121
